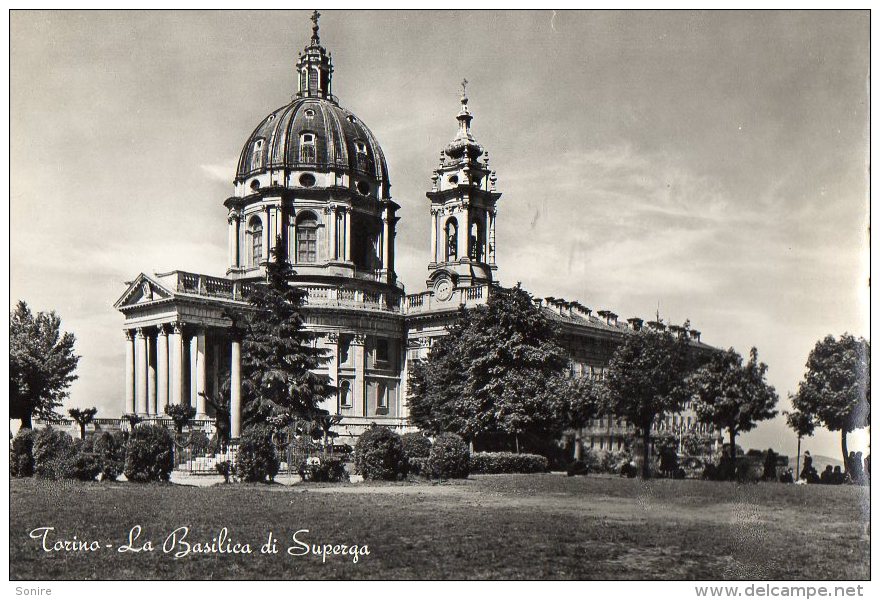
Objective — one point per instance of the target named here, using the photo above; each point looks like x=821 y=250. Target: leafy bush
x=109 y=452
x=449 y=458
x=328 y=470
x=224 y=467
x=199 y=442
x=257 y=458
x=491 y=463
x=418 y=466
x=379 y=454
x=21 y=453
x=150 y=454
x=606 y=461
x=578 y=467
x=416 y=445
x=85 y=466
x=54 y=454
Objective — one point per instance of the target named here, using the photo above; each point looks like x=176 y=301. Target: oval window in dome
x=255 y=184
x=271 y=118
x=453 y=179
x=363 y=187
x=350 y=119
x=307 y=180
x=309 y=113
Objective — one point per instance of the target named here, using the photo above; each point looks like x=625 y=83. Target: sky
x=709 y=165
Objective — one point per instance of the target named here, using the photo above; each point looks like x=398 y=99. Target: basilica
x=313 y=177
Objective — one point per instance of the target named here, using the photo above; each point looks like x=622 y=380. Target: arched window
x=307 y=148
x=307 y=239
x=451 y=239
x=475 y=242
x=313 y=80
x=255 y=233
x=345 y=394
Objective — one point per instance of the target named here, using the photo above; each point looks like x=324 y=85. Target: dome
x=314 y=134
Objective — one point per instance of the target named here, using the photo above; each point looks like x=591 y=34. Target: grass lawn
x=516 y=526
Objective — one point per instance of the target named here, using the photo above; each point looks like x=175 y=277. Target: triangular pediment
x=142 y=290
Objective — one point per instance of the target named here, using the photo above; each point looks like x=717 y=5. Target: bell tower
x=463 y=198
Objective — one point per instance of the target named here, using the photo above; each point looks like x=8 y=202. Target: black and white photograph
x=325 y=293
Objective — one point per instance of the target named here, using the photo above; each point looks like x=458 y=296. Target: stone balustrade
x=427 y=302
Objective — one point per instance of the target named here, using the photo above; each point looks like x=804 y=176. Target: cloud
x=221 y=172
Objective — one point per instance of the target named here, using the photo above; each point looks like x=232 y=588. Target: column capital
x=163 y=329
x=128 y=334
x=359 y=339
x=140 y=333
x=233 y=216
x=177 y=327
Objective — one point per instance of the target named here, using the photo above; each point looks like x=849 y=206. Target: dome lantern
x=314 y=67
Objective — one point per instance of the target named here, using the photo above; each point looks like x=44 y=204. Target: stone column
x=176 y=364
x=193 y=369
x=201 y=375
x=140 y=359
x=235 y=388
x=151 y=375
x=360 y=362
x=162 y=369
x=464 y=234
x=129 y=372
x=486 y=238
x=386 y=241
x=490 y=235
x=347 y=221
x=332 y=235
x=267 y=233
x=435 y=255
x=234 y=223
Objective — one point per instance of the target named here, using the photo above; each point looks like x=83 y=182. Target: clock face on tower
x=443 y=289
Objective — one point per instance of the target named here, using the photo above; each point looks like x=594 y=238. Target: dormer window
x=362 y=159
x=307 y=148
x=257 y=155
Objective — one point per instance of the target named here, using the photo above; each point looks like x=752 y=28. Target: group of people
x=858 y=471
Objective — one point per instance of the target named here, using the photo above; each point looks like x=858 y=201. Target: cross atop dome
x=315 y=39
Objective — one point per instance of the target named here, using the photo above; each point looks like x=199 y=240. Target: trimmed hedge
x=495 y=463
x=330 y=469
x=21 y=453
x=109 y=451
x=449 y=458
x=54 y=454
x=257 y=458
x=379 y=454
x=416 y=445
x=150 y=454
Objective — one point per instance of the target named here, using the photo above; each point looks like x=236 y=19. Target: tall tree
x=731 y=395
x=41 y=364
x=495 y=372
x=82 y=417
x=645 y=381
x=836 y=389
x=803 y=425
x=279 y=357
